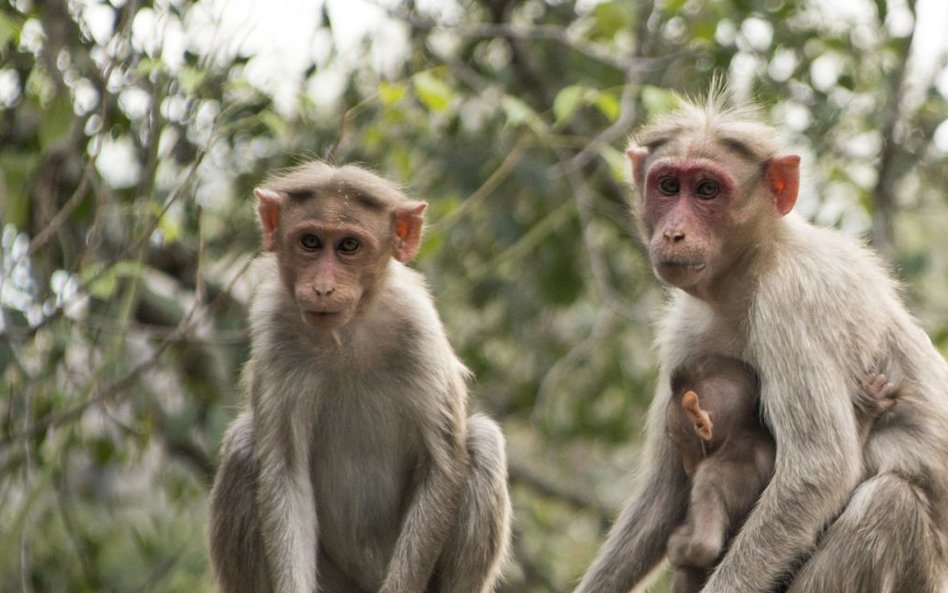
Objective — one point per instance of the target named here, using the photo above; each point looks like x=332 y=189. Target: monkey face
x=334 y=269
x=706 y=195
x=685 y=210
x=334 y=242
x=332 y=260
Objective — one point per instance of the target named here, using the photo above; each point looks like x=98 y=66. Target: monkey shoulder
x=819 y=265
x=412 y=336
x=412 y=310
x=823 y=287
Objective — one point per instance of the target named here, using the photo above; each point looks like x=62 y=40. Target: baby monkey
x=714 y=422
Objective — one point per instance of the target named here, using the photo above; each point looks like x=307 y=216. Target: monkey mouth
x=676 y=264
x=324 y=317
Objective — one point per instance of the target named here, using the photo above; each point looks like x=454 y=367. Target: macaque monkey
x=714 y=422
x=353 y=468
x=849 y=509
x=728 y=455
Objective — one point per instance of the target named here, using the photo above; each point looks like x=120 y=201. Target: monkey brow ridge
x=362 y=198
x=739 y=129
x=317 y=179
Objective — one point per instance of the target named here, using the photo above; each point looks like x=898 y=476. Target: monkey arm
x=637 y=541
x=285 y=494
x=435 y=504
x=817 y=466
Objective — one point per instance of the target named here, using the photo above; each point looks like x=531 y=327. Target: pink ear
x=268 y=207
x=783 y=176
x=409 y=220
x=637 y=155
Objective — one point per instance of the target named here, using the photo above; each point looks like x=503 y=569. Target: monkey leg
x=884 y=542
x=236 y=545
x=700 y=540
x=689 y=579
x=477 y=546
x=331 y=579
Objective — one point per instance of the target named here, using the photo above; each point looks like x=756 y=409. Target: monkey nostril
x=674 y=236
x=323 y=291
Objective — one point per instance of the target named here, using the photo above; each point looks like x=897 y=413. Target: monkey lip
x=674 y=264
x=315 y=316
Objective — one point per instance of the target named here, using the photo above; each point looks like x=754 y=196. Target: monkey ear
x=636 y=155
x=698 y=416
x=783 y=176
x=409 y=220
x=268 y=207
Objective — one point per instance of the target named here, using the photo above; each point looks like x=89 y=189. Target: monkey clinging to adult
x=814 y=312
x=353 y=468
x=728 y=455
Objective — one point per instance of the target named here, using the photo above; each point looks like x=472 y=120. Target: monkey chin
x=680 y=274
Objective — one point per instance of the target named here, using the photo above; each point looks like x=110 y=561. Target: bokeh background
x=133 y=131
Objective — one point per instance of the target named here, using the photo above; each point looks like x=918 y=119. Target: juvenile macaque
x=713 y=419
x=728 y=455
x=354 y=468
x=850 y=508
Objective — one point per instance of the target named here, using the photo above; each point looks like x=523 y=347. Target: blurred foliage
x=132 y=133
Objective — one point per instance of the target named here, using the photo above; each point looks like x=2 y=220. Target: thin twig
x=486 y=189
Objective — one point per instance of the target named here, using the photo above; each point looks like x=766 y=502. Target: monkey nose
x=323 y=291
x=674 y=236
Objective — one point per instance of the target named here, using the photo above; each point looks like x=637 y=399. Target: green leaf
x=882 y=9
x=610 y=18
x=57 y=119
x=704 y=30
x=430 y=246
x=18 y=170
x=567 y=101
x=391 y=93
x=618 y=163
x=518 y=112
x=9 y=29
x=170 y=229
x=191 y=79
x=432 y=91
x=276 y=123
x=657 y=100
x=104 y=283
x=148 y=66
x=608 y=104
x=103 y=451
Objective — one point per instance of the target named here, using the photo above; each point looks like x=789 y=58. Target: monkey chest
x=363 y=463
x=692 y=329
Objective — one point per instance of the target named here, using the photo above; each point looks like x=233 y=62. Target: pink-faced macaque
x=851 y=507
x=354 y=467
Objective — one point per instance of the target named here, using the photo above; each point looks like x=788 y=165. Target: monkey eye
x=349 y=245
x=707 y=189
x=310 y=242
x=668 y=186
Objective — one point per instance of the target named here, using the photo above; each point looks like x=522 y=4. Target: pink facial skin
x=686 y=202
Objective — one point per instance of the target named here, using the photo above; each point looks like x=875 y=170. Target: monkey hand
x=882 y=391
